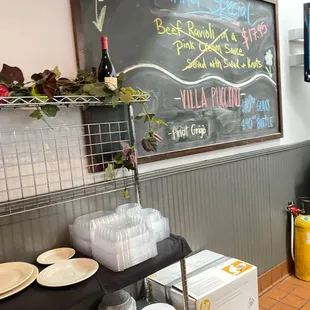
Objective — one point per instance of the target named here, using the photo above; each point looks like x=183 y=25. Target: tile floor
x=289 y=294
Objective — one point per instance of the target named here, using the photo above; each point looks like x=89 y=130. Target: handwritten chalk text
x=188 y=131
x=189 y=3
x=194 y=98
x=228 y=10
x=225 y=97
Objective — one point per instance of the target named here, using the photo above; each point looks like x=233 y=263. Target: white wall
x=37 y=34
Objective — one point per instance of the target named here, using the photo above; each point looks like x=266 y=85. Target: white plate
x=159 y=307
x=68 y=272
x=13 y=274
x=22 y=286
x=55 y=256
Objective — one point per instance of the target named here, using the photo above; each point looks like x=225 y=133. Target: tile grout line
x=296 y=284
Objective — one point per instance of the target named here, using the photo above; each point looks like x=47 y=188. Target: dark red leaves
x=45 y=83
x=12 y=74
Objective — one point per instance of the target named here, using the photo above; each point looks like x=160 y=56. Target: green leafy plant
x=151 y=138
x=50 y=84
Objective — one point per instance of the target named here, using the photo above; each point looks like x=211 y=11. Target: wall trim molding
x=156 y=174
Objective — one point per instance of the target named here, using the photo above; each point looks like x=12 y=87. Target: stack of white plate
x=16 y=276
x=118 y=243
x=159 y=307
x=153 y=219
x=80 y=231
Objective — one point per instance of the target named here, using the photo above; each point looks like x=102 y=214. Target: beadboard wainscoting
x=233 y=205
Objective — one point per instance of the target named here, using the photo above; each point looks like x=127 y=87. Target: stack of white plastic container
x=80 y=231
x=122 y=239
x=118 y=244
x=154 y=221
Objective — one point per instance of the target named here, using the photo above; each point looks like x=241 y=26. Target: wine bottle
x=106 y=71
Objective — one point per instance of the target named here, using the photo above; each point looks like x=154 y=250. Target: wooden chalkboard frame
x=80 y=57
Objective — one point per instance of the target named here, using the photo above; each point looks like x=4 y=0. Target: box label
x=237 y=268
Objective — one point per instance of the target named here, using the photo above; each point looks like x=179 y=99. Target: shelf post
x=132 y=133
x=184 y=284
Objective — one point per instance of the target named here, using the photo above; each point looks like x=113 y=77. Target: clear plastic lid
x=147 y=215
x=84 y=220
x=81 y=225
x=159 y=225
x=128 y=208
x=122 y=260
x=116 y=227
x=109 y=246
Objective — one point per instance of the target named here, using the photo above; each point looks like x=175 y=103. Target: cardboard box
x=162 y=281
x=231 y=285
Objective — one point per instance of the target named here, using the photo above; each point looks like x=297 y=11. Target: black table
x=36 y=297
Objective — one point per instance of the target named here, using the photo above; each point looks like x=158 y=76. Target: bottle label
x=111 y=82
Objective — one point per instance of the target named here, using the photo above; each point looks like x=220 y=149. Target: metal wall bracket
x=296 y=36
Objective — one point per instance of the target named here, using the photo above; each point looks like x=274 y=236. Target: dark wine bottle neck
x=105 y=53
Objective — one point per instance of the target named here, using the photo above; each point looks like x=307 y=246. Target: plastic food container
x=81 y=224
x=154 y=221
x=129 y=208
x=119 y=243
x=80 y=231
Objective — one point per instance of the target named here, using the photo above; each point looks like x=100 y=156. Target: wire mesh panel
x=46 y=166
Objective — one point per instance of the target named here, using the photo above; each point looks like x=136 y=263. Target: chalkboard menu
x=212 y=66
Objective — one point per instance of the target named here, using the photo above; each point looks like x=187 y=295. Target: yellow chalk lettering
x=234 y=51
x=256 y=64
x=159 y=26
x=233 y=37
x=200 y=33
x=181 y=44
x=216 y=64
x=167 y=30
x=196 y=64
x=224 y=36
x=235 y=64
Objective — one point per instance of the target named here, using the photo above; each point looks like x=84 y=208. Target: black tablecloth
x=36 y=297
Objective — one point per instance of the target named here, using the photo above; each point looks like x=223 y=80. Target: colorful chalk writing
x=194 y=98
x=212 y=67
x=264 y=122
x=182 y=44
x=225 y=97
x=248 y=123
x=228 y=10
x=259 y=108
x=221 y=97
x=206 y=47
x=203 y=42
x=247 y=104
x=185 y=131
x=188 y=3
x=263 y=105
x=254 y=34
